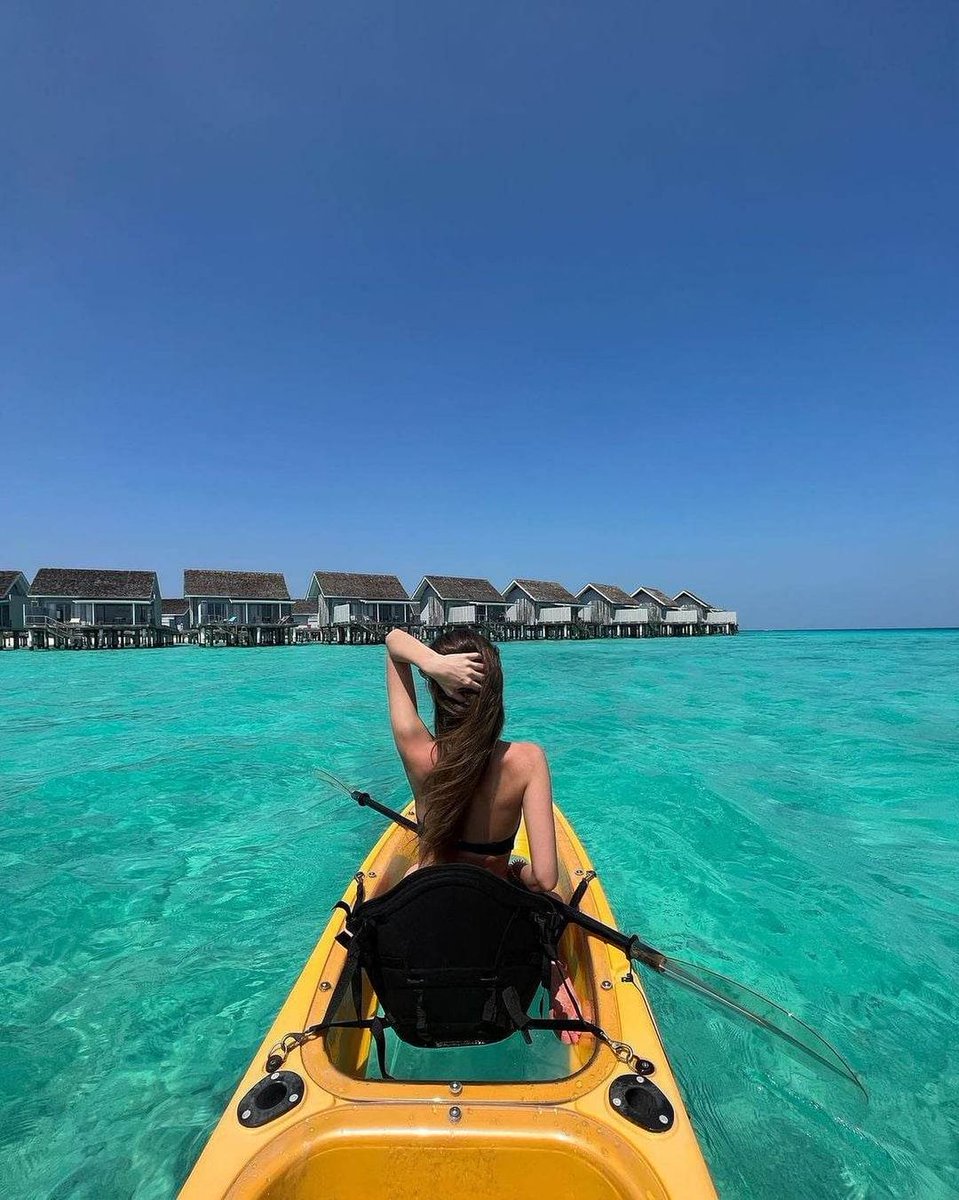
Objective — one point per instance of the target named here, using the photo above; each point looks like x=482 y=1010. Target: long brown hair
x=466 y=735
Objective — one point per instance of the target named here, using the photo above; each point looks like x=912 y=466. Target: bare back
x=497 y=808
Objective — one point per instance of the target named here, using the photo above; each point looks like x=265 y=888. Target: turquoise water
x=780 y=806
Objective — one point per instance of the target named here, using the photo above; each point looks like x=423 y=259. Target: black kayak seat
x=456 y=954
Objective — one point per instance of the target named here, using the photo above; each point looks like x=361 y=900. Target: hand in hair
x=457 y=674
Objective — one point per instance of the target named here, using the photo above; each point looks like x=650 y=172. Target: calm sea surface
x=782 y=807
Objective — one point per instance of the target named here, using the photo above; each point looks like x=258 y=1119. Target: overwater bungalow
x=305 y=614
x=238 y=598
x=716 y=619
x=90 y=597
x=14 y=589
x=348 y=598
x=175 y=613
x=540 y=602
x=453 y=600
x=655 y=601
x=693 y=614
x=607 y=604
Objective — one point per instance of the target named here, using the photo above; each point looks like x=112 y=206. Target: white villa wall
x=558 y=615
x=631 y=616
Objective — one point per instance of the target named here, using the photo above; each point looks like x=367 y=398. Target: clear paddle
x=746 y=1002
x=330 y=778
x=732 y=996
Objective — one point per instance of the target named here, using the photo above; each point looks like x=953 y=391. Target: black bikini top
x=491 y=848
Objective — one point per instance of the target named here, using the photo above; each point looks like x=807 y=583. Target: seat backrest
x=451 y=951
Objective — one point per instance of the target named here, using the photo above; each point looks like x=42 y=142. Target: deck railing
x=50 y=624
x=631 y=616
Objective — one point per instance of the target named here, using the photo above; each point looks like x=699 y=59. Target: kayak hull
x=405 y=1138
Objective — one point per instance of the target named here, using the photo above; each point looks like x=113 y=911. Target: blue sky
x=639 y=293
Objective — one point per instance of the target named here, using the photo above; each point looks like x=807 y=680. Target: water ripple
x=779 y=807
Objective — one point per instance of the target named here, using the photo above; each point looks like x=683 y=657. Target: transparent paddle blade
x=738 y=998
x=330 y=778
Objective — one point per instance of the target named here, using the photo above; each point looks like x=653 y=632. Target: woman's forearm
x=403 y=648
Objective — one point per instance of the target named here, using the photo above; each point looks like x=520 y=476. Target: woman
x=472 y=788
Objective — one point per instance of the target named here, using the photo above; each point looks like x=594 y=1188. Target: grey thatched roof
x=454 y=587
x=90 y=584
x=612 y=593
x=176 y=606
x=656 y=594
x=236 y=585
x=692 y=596
x=544 y=591
x=353 y=586
x=7 y=580
x=305 y=608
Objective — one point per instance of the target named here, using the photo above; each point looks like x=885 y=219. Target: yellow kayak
x=597 y=1119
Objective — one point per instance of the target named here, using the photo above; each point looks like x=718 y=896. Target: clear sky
x=631 y=292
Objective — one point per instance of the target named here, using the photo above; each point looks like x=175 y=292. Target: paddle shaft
x=632 y=946
x=365 y=800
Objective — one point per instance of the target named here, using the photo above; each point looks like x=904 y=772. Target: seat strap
x=559 y=1024
x=376 y=1025
x=581 y=889
x=350 y=980
x=520 y=1018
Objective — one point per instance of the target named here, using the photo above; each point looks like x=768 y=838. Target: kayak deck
x=415 y=1136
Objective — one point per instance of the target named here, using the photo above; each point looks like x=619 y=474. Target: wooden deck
x=46 y=634
x=506 y=631
x=280 y=634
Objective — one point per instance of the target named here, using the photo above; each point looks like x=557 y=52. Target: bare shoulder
x=525 y=757
x=418 y=757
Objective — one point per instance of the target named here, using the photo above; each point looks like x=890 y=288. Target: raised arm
x=455 y=673
x=541 y=873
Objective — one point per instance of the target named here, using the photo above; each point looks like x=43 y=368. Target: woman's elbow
x=545 y=881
